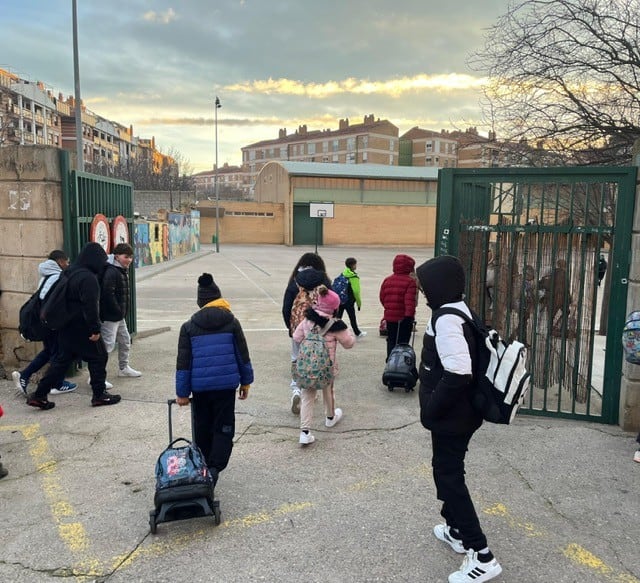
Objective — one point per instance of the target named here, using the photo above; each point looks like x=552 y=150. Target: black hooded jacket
x=114 y=296
x=446 y=388
x=83 y=292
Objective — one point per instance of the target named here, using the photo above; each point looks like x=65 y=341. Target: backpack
x=340 y=285
x=631 y=338
x=501 y=378
x=29 y=324
x=55 y=312
x=181 y=466
x=314 y=367
x=303 y=300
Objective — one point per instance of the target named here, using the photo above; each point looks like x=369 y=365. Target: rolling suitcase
x=184 y=485
x=400 y=369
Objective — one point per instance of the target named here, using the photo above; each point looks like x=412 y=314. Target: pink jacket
x=344 y=337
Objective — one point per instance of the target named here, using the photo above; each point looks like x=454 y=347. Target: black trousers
x=350 y=308
x=214 y=426
x=398 y=333
x=74 y=344
x=448 y=474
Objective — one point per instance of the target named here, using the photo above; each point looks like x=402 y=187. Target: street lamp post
x=76 y=82
x=215 y=178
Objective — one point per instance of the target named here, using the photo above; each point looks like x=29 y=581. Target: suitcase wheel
x=153 y=525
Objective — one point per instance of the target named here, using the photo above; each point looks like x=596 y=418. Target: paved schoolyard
x=558 y=499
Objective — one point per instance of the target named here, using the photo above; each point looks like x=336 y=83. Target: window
x=311 y=148
x=351 y=144
x=325 y=147
x=428 y=147
x=283 y=152
x=364 y=156
x=351 y=158
x=335 y=145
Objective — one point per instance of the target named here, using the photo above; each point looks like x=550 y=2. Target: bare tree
x=565 y=74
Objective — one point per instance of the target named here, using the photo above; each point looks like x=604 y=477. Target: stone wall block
x=30 y=201
x=30 y=238
x=30 y=163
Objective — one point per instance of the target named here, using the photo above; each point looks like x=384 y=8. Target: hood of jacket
x=403 y=264
x=321 y=320
x=213 y=315
x=48 y=267
x=93 y=257
x=310 y=278
x=442 y=280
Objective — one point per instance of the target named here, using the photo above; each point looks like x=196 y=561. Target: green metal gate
x=530 y=241
x=84 y=196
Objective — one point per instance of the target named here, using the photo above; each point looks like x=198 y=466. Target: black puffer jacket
x=83 y=293
x=114 y=295
x=446 y=365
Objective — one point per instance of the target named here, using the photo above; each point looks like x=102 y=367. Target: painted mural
x=158 y=241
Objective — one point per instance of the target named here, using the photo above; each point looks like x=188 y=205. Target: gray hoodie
x=48 y=268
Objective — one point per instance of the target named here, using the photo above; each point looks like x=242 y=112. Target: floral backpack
x=303 y=300
x=314 y=367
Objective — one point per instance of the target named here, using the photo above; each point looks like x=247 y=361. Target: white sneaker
x=636 y=456
x=295 y=401
x=474 y=571
x=127 y=371
x=306 y=438
x=20 y=383
x=441 y=531
x=107 y=384
x=361 y=335
x=337 y=415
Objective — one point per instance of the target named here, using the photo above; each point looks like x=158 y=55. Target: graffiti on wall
x=158 y=241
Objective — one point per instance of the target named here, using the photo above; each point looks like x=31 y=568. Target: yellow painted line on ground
x=584 y=558
x=499 y=509
x=178 y=543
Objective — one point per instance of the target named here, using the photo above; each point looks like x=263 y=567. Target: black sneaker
x=105 y=399
x=39 y=402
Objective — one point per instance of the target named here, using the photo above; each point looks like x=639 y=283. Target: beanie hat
x=328 y=301
x=207 y=290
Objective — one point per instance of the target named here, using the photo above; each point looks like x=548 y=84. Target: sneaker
x=20 y=383
x=306 y=438
x=295 y=401
x=65 y=387
x=337 y=415
x=474 y=571
x=107 y=384
x=361 y=335
x=443 y=533
x=43 y=404
x=127 y=371
x=105 y=399
x=636 y=456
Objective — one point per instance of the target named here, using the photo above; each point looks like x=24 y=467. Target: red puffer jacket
x=398 y=291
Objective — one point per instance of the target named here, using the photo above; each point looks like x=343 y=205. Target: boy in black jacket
x=80 y=338
x=446 y=377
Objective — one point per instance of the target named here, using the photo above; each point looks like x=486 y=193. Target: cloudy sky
x=158 y=64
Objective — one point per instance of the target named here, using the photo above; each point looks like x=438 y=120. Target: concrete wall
x=147 y=202
x=31 y=227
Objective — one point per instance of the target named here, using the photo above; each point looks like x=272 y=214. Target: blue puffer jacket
x=212 y=352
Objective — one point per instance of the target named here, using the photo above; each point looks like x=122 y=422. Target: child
x=213 y=360
x=355 y=299
x=3 y=471
x=325 y=307
x=114 y=305
x=446 y=378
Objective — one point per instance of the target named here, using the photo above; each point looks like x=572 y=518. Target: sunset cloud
x=160 y=17
x=392 y=87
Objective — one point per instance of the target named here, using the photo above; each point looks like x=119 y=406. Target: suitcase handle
x=193 y=433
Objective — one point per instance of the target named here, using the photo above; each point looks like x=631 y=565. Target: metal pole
x=78 y=100
x=215 y=179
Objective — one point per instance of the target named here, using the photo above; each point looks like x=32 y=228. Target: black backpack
x=55 y=312
x=29 y=324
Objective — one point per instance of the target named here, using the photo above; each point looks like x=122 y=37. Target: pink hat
x=327 y=303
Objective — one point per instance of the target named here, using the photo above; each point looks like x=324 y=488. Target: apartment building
x=420 y=147
x=31 y=114
x=233 y=182
x=374 y=141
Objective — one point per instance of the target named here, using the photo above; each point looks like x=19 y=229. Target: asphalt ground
x=558 y=499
